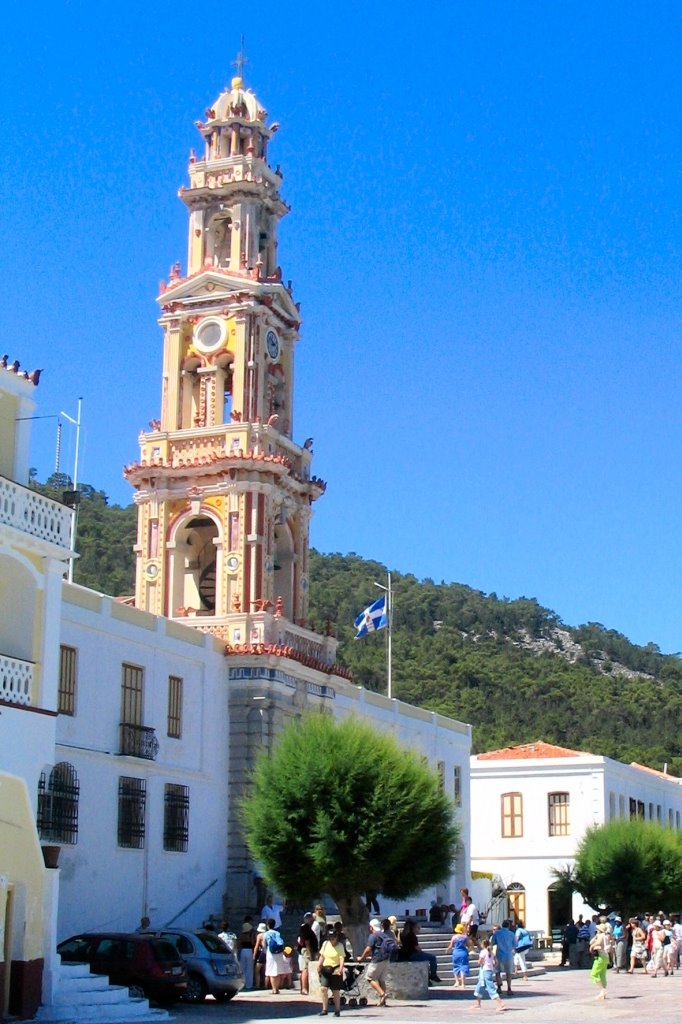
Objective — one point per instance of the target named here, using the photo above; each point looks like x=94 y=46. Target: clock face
x=152 y=571
x=272 y=345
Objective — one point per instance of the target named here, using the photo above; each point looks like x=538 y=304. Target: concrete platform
x=560 y=995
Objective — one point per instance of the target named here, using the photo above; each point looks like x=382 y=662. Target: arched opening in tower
x=284 y=558
x=194 y=566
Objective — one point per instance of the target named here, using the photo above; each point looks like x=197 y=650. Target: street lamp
x=74 y=484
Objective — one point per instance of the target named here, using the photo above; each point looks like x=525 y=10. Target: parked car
x=149 y=966
x=212 y=968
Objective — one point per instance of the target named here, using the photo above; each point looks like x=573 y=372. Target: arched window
x=58 y=804
x=516 y=895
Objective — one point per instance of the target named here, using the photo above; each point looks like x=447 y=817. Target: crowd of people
x=651 y=943
x=322 y=947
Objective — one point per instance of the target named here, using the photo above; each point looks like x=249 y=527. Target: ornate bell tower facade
x=224 y=493
x=223 y=490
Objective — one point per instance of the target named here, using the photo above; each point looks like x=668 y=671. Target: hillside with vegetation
x=510 y=667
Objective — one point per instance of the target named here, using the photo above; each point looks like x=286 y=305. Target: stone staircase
x=433 y=940
x=84 y=998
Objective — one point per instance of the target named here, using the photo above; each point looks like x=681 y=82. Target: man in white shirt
x=468 y=916
x=272 y=909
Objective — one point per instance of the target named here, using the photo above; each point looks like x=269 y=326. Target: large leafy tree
x=342 y=809
x=630 y=866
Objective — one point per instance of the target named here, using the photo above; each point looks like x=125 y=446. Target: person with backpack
x=381 y=948
x=276 y=966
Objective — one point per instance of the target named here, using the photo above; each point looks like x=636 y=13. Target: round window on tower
x=209 y=335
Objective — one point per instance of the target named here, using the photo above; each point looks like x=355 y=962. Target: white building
x=531 y=805
x=35 y=545
x=143 y=723
x=144 y=726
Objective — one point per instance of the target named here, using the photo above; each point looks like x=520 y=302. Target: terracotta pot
x=51 y=856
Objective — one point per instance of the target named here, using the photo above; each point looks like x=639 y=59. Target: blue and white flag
x=371 y=618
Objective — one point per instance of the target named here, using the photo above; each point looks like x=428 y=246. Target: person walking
x=246 y=942
x=381 y=945
x=600 y=947
x=308 y=951
x=330 y=967
x=522 y=943
x=621 y=940
x=459 y=948
x=486 y=978
x=503 y=950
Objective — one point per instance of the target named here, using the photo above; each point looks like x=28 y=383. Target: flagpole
x=389 y=634
x=389 y=637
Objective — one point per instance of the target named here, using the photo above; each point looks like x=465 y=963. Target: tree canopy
x=630 y=866
x=341 y=808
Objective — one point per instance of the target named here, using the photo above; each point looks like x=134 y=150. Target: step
x=96 y=995
x=137 y=1010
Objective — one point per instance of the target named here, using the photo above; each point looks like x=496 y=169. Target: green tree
x=630 y=866
x=342 y=809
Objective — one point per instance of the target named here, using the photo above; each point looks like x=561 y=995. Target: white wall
x=102 y=884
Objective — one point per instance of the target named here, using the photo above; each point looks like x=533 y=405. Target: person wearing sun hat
x=459 y=947
x=600 y=947
x=245 y=942
x=259 y=956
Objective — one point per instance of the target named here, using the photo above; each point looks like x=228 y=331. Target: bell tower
x=224 y=492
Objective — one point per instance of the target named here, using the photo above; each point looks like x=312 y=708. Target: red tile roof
x=526 y=751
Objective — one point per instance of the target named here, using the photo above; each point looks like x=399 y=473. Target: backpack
x=388 y=950
x=275 y=943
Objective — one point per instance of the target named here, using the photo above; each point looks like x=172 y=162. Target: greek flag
x=373 y=617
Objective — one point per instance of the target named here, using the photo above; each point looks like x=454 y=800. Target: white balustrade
x=16 y=680
x=33 y=513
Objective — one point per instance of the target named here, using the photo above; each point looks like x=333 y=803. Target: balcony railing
x=33 y=513
x=139 y=741
x=16 y=680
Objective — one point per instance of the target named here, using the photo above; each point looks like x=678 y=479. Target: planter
x=51 y=855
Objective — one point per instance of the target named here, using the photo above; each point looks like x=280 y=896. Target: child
x=486 y=978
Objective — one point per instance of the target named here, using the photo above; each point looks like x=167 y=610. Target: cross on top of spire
x=240 y=60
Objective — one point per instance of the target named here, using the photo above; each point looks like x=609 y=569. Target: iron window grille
x=66 y=696
x=176 y=818
x=58 y=804
x=132 y=802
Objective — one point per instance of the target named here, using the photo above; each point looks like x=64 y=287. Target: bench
x=403 y=980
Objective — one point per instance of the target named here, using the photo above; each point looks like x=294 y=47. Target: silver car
x=212 y=967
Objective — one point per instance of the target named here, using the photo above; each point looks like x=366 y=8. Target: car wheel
x=135 y=991
x=196 y=989
x=224 y=997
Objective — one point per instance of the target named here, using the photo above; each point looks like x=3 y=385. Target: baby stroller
x=350 y=990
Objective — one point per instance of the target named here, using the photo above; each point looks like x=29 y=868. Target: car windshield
x=212 y=942
x=164 y=951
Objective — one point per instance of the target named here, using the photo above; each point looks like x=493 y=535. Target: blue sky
x=485 y=240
